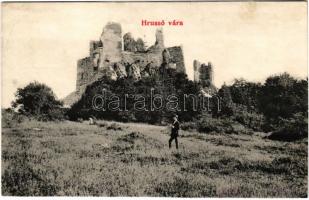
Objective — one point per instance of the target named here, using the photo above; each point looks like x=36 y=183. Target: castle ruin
x=117 y=56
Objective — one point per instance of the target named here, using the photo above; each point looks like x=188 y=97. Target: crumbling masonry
x=118 y=57
x=108 y=57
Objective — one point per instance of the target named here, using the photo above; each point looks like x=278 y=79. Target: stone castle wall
x=85 y=71
x=176 y=56
x=142 y=58
x=107 y=57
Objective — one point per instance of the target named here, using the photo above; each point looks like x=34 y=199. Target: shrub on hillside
x=55 y=114
x=252 y=120
x=209 y=124
x=189 y=126
x=114 y=126
x=10 y=118
x=291 y=129
x=126 y=117
x=221 y=125
x=240 y=128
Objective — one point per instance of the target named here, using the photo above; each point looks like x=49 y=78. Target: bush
x=55 y=114
x=114 y=126
x=10 y=118
x=291 y=129
x=239 y=128
x=126 y=116
x=102 y=124
x=214 y=125
x=221 y=125
x=189 y=126
x=251 y=120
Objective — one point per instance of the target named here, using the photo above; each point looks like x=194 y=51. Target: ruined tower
x=159 y=38
x=196 y=67
x=112 y=45
x=203 y=73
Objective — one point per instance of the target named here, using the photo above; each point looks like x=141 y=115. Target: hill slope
x=118 y=159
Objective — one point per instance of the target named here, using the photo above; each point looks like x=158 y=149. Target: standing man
x=174 y=134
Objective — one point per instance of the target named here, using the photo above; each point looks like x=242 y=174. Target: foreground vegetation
x=222 y=154
x=280 y=105
x=128 y=159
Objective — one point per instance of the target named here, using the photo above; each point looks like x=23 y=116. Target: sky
x=251 y=40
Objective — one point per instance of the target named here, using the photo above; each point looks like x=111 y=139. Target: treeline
x=140 y=104
x=279 y=105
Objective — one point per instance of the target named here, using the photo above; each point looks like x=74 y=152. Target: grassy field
x=117 y=159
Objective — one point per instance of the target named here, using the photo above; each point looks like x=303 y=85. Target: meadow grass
x=130 y=159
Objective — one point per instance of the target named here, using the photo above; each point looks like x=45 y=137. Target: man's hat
x=176 y=116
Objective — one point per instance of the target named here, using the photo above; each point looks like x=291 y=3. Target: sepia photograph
x=154 y=99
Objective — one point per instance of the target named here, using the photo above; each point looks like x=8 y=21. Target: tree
x=140 y=45
x=35 y=99
x=174 y=83
x=282 y=96
x=245 y=93
x=226 y=100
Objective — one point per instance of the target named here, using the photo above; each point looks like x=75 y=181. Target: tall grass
x=127 y=159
